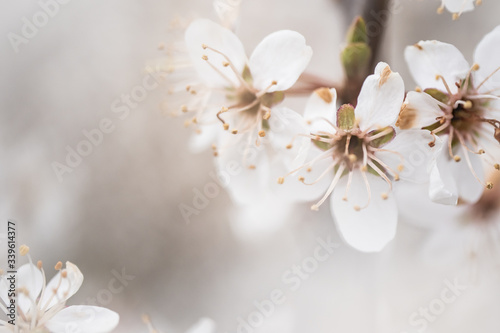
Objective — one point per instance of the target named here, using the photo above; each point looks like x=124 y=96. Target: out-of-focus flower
x=365 y=154
x=460 y=103
x=204 y=325
x=42 y=307
x=471 y=235
x=457 y=7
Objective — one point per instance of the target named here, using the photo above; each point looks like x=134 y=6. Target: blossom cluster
x=350 y=152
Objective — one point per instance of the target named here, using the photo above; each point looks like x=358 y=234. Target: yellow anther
x=204 y=46
x=457 y=158
x=204 y=57
x=64 y=273
x=24 y=250
x=266 y=115
x=481 y=151
x=234 y=131
x=184 y=108
x=467 y=105
x=497 y=166
x=188 y=87
x=39 y=264
x=396 y=177
x=216 y=154
x=357 y=208
x=223 y=109
x=301 y=179
x=418 y=89
x=214 y=146
x=194 y=120
x=187 y=123
x=364 y=168
x=225 y=63
x=289 y=146
x=225 y=126
x=455 y=16
x=475 y=67
x=262 y=133
x=58 y=266
x=384 y=196
x=489 y=185
x=252 y=167
x=274 y=82
x=440 y=10
x=352 y=158
x=344 y=198
x=281 y=180
x=401 y=167
x=309 y=169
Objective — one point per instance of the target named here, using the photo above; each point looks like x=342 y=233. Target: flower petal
x=469 y=187
x=247 y=167
x=30 y=278
x=427 y=59
x=281 y=56
x=203 y=31
x=419 y=110
x=380 y=99
x=459 y=6
x=322 y=104
x=371 y=228
x=204 y=325
x=442 y=186
x=409 y=152
x=66 y=287
x=83 y=318
x=487 y=55
x=286 y=125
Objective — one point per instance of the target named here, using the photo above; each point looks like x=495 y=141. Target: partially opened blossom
x=457 y=7
x=460 y=104
x=364 y=155
x=42 y=307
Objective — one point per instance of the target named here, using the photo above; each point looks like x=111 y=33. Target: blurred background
x=118 y=208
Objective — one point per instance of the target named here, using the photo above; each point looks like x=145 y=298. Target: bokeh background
x=119 y=208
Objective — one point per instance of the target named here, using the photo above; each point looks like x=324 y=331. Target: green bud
x=357 y=32
x=345 y=117
x=356 y=59
x=322 y=145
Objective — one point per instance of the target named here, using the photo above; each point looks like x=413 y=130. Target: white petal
x=443 y=187
x=412 y=153
x=370 y=229
x=66 y=287
x=420 y=110
x=487 y=55
x=285 y=125
x=28 y=277
x=203 y=31
x=427 y=59
x=202 y=141
x=322 y=104
x=82 y=318
x=380 y=99
x=236 y=156
x=204 y=325
x=469 y=187
x=459 y=6
x=281 y=56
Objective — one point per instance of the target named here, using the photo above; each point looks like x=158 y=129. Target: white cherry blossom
x=42 y=307
x=457 y=7
x=460 y=104
x=363 y=155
